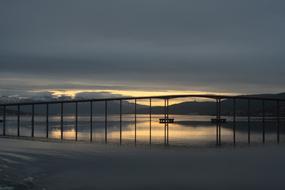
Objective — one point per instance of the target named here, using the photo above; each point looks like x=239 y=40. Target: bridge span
x=218 y=99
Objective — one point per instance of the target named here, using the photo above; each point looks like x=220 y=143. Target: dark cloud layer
x=222 y=45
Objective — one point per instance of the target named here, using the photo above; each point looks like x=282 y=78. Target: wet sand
x=27 y=164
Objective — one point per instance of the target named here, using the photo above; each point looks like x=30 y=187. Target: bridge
x=218 y=99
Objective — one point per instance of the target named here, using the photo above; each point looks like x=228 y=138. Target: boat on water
x=215 y=120
x=166 y=120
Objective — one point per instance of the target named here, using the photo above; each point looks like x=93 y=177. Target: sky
x=135 y=47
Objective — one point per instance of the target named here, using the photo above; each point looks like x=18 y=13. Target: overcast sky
x=201 y=45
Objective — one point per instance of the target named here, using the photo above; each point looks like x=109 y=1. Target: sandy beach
x=27 y=164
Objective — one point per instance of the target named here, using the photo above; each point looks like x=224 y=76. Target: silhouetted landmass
x=193 y=107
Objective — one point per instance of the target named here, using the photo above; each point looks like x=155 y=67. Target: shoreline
x=34 y=164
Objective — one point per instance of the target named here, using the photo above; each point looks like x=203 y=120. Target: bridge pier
x=91 y=121
x=120 y=122
x=4 y=120
x=106 y=122
x=76 y=121
x=150 y=117
x=47 y=120
x=234 y=121
x=18 y=120
x=61 y=121
x=33 y=120
x=218 y=124
x=278 y=121
x=263 y=121
x=167 y=112
x=248 y=121
x=166 y=124
x=135 y=122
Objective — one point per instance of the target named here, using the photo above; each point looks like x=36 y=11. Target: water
x=187 y=129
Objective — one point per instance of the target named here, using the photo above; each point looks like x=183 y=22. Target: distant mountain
x=192 y=107
x=209 y=107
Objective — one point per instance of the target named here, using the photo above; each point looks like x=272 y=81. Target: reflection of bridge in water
x=165 y=121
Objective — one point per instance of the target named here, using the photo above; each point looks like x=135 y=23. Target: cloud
x=96 y=95
x=13 y=95
x=206 y=45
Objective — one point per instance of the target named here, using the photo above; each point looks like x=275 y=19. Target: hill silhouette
x=189 y=107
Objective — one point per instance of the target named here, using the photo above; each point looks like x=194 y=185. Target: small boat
x=166 y=120
x=215 y=120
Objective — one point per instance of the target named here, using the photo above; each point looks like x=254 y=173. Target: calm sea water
x=186 y=130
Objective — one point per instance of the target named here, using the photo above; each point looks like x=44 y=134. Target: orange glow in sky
x=134 y=93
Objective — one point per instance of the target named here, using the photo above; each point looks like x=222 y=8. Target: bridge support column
x=106 y=122
x=248 y=121
x=33 y=120
x=263 y=121
x=166 y=125
x=218 y=122
x=4 y=120
x=76 y=121
x=135 y=122
x=164 y=122
x=120 y=122
x=234 y=121
x=47 y=120
x=61 y=121
x=278 y=121
x=150 y=116
x=91 y=121
x=18 y=120
x=167 y=112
